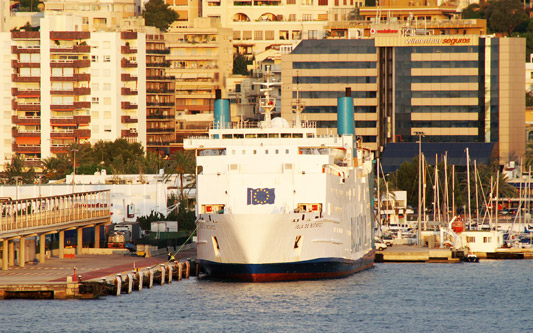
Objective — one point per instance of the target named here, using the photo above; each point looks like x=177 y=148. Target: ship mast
x=267 y=102
x=298 y=107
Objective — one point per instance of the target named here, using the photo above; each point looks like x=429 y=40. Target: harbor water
x=490 y=296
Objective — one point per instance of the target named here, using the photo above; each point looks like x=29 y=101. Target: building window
x=236 y=35
x=296 y=35
x=307 y=17
x=291 y=2
x=284 y=35
x=94 y=58
x=323 y=2
x=313 y=34
x=258 y=35
x=307 y=2
x=269 y=35
x=95 y=100
x=85 y=20
x=246 y=35
x=107 y=58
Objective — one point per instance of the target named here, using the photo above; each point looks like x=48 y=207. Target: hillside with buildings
x=80 y=71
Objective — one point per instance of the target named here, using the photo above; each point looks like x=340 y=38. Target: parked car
x=380 y=245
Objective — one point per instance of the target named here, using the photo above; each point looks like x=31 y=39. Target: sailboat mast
x=468 y=187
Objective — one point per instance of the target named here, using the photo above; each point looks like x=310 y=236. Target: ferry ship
x=277 y=201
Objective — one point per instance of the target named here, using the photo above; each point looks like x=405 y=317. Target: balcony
x=77 y=133
x=158 y=51
x=70 y=63
x=129 y=106
x=199 y=108
x=82 y=105
x=127 y=77
x=82 y=120
x=163 y=104
x=158 y=64
x=16 y=133
x=160 y=91
x=128 y=120
x=70 y=49
x=69 y=35
x=33 y=106
x=131 y=133
x=75 y=78
x=28 y=93
x=125 y=49
x=62 y=107
x=26 y=120
x=128 y=35
x=159 y=117
x=25 y=34
x=125 y=63
x=75 y=92
x=18 y=64
x=22 y=149
x=25 y=49
x=18 y=78
x=128 y=91
x=160 y=78
x=159 y=130
x=62 y=121
x=59 y=149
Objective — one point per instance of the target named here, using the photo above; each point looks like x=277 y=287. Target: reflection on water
x=489 y=296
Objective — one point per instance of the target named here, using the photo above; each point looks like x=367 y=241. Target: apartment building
x=258 y=25
x=160 y=103
x=99 y=15
x=462 y=88
x=200 y=61
x=64 y=86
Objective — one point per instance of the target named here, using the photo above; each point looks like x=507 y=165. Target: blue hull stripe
x=311 y=269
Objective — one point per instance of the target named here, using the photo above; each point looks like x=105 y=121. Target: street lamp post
x=17 y=178
x=74 y=174
x=420 y=135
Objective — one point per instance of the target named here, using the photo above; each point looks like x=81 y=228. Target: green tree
x=240 y=65
x=182 y=164
x=55 y=167
x=158 y=14
x=528 y=159
x=29 y=5
x=473 y=11
x=16 y=169
x=504 y=15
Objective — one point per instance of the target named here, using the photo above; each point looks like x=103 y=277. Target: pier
x=38 y=217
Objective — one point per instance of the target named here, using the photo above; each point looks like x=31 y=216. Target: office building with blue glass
x=451 y=88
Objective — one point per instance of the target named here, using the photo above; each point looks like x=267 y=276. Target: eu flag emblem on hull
x=261 y=196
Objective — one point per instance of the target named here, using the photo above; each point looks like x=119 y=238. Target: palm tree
x=528 y=160
x=16 y=170
x=55 y=167
x=183 y=165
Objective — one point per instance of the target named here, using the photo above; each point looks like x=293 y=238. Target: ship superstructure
x=275 y=201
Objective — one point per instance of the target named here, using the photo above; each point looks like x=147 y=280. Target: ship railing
x=256 y=124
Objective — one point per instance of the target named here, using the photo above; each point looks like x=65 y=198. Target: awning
x=395 y=154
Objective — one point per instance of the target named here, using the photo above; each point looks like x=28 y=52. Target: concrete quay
x=406 y=253
x=68 y=278
x=409 y=253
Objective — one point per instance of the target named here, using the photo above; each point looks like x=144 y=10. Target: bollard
x=141 y=279
x=130 y=283
x=118 y=283
x=162 y=274
x=74 y=276
x=180 y=271
x=151 y=281
x=169 y=268
x=187 y=269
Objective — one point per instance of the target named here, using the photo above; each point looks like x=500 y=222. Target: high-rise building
x=460 y=88
x=64 y=86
